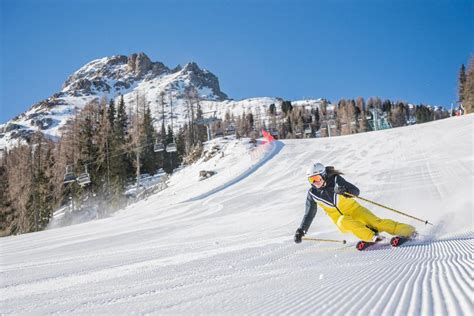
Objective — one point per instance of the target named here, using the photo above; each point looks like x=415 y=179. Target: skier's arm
x=310 y=212
x=348 y=187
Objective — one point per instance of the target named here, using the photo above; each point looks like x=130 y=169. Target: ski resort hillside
x=224 y=244
x=173 y=96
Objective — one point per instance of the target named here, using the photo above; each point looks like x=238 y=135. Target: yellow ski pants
x=362 y=223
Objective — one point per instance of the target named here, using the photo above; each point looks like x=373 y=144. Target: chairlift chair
x=69 y=176
x=84 y=178
x=158 y=147
x=171 y=147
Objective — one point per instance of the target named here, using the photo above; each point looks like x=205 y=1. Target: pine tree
x=364 y=123
x=120 y=164
x=111 y=113
x=121 y=120
x=250 y=121
x=423 y=114
x=148 y=156
x=286 y=107
x=461 y=83
x=201 y=129
x=272 y=109
x=317 y=120
x=289 y=127
x=88 y=124
x=386 y=106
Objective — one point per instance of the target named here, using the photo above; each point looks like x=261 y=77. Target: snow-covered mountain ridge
x=141 y=80
x=111 y=77
x=132 y=76
x=192 y=249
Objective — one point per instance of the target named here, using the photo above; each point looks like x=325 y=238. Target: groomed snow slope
x=232 y=251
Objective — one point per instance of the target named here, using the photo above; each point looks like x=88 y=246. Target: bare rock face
x=25 y=134
x=203 y=78
x=117 y=60
x=139 y=64
x=158 y=69
x=43 y=123
x=13 y=127
x=204 y=174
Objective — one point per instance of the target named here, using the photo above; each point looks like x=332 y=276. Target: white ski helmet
x=317 y=168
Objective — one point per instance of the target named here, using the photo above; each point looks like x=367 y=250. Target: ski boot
x=362 y=245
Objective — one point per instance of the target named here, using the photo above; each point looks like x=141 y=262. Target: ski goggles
x=315 y=178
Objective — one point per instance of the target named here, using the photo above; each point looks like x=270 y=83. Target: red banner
x=267 y=136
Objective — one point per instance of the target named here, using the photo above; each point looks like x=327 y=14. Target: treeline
x=102 y=142
x=466 y=86
x=348 y=116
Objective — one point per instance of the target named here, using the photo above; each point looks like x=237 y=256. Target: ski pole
x=389 y=208
x=324 y=240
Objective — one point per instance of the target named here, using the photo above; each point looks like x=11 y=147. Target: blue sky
x=401 y=50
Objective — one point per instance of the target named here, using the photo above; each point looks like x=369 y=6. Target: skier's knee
x=340 y=223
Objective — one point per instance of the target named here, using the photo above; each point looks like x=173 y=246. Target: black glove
x=298 y=235
x=340 y=189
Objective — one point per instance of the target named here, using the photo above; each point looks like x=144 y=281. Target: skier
x=329 y=191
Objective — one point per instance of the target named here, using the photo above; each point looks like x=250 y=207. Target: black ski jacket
x=326 y=195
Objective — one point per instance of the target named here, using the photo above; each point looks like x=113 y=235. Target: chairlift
x=171 y=147
x=69 y=176
x=84 y=178
x=158 y=147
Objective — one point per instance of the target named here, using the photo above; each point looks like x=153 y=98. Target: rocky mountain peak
x=139 y=64
x=192 y=67
x=110 y=77
x=202 y=78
